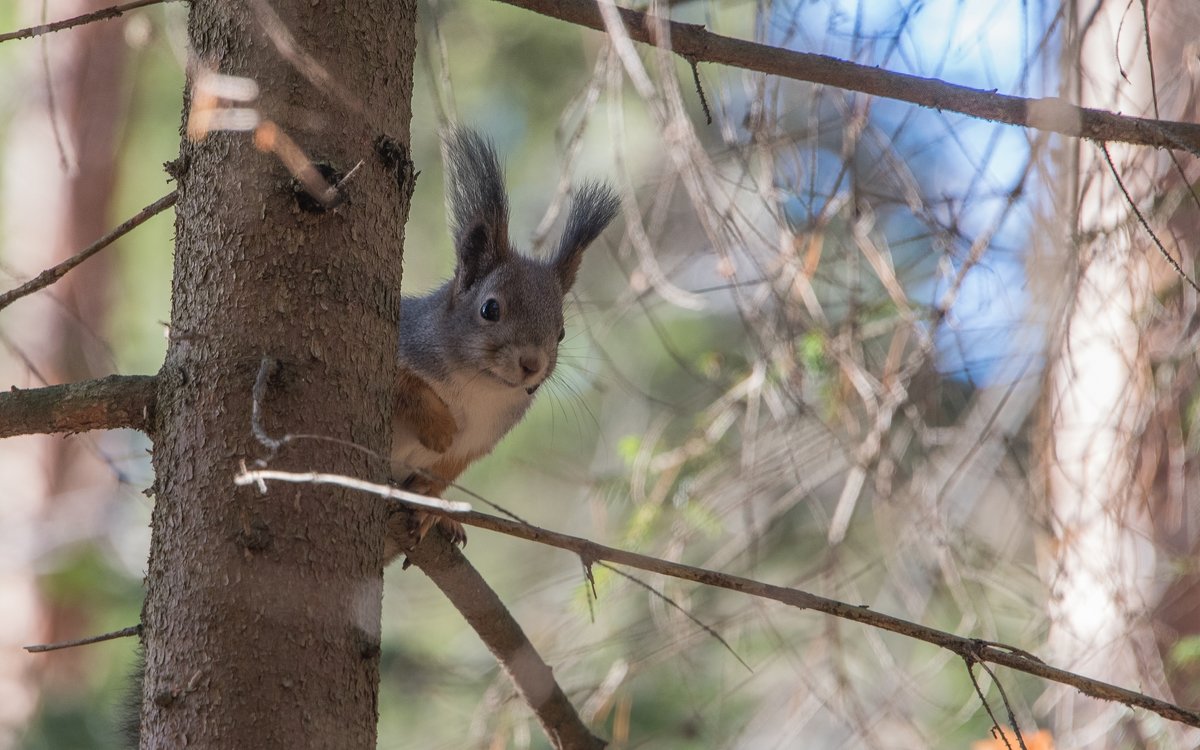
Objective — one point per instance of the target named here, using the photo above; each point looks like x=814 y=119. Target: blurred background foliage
x=821 y=377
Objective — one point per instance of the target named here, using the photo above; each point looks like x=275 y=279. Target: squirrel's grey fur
x=486 y=371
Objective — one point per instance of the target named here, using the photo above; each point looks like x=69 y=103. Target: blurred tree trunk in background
x=262 y=614
x=1114 y=442
x=59 y=171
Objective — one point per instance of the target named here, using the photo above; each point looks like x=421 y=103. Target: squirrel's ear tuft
x=477 y=205
x=594 y=206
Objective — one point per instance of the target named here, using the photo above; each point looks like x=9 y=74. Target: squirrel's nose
x=532 y=364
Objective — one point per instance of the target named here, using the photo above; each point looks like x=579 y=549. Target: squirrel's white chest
x=483 y=410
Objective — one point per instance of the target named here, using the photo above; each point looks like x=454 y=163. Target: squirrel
x=474 y=351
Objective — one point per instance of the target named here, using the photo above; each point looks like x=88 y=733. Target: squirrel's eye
x=561 y=332
x=490 y=310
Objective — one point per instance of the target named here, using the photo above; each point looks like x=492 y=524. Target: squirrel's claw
x=422 y=523
x=453 y=530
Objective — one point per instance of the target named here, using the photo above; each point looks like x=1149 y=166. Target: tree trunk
x=262 y=611
x=1105 y=572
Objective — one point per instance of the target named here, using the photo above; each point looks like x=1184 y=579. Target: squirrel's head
x=506 y=308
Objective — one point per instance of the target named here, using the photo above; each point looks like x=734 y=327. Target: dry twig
x=261 y=476
x=53 y=274
x=96 y=15
x=132 y=630
x=1145 y=224
x=103 y=404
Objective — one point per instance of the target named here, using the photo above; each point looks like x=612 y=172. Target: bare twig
x=693 y=42
x=303 y=61
x=53 y=274
x=52 y=102
x=132 y=630
x=1154 y=99
x=458 y=580
x=271 y=138
x=260 y=477
x=700 y=91
x=1142 y=220
x=1012 y=717
x=104 y=404
x=997 y=730
x=666 y=599
x=96 y=15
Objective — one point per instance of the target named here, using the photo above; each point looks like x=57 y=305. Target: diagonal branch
x=695 y=44
x=103 y=404
x=53 y=274
x=501 y=633
x=96 y=15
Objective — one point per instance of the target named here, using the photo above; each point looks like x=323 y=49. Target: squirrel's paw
x=453 y=530
x=421 y=523
x=423 y=484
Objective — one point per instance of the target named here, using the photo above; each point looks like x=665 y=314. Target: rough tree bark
x=261 y=622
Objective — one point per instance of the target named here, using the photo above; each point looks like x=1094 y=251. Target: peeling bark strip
x=694 y=44
x=104 y=404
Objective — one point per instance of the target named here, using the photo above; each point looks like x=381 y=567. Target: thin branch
x=483 y=610
x=1012 y=717
x=260 y=477
x=1154 y=98
x=476 y=601
x=693 y=42
x=973 y=649
x=456 y=577
x=981 y=651
x=667 y=600
x=1142 y=220
x=103 y=404
x=996 y=729
x=53 y=274
x=700 y=92
x=132 y=630
x=96 y=15
x=52 y=102
x=304 y=62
